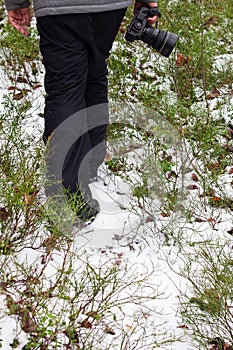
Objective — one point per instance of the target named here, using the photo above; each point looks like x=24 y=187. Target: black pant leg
x=74 y=49
x=105 y=27
x=65 y=58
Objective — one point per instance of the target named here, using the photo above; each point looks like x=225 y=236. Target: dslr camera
x=162 y=41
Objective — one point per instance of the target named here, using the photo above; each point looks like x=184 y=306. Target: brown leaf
x=171 y=174
x=216 y=199
x=37 y=86
x=212 y=166
x=165 y=215
x=199 y=220
x=109 y=330
x=211 y=21
x=192 y=187
x=183 y=326
x=230 y=133
x=210 y=97
x=122 y=30
x=215 y=90
x=129 y=327
x=28 y=198
x=27 y=324
x=230 y=172
x=86 y=324
x=18 y=96
x=21 y=79
x=118 y=262
x=4 y=214
x=12 y=88
x=211 y=220
x=149 y=219
x=194 y=177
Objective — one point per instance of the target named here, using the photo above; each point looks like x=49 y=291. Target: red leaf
x=182 y=60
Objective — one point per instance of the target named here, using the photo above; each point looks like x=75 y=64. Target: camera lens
x=162 y=41
x=168 y=44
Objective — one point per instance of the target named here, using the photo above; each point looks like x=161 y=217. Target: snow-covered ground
x=137 y=238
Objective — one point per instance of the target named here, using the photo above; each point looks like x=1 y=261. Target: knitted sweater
x=56 y=7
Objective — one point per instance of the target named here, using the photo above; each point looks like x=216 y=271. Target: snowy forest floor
x=154 y=269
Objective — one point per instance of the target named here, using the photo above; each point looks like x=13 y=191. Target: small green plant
x=207 y=310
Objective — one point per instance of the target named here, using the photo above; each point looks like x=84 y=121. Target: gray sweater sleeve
x=16 y=4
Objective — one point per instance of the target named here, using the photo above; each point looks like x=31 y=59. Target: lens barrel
x=168 y=44
x=162 y=41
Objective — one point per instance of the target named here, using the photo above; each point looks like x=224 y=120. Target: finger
x=152 y=20
x=27 y=20
x=27 y=17
x=20 y=28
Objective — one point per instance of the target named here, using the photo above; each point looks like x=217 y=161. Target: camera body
x=162 y=41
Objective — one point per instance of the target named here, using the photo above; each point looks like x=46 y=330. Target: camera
x=162 y=41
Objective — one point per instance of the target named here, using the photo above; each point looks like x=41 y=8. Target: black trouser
x=74 y=49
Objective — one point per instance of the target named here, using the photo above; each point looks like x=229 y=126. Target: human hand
x=20 y=20
x=150 y=20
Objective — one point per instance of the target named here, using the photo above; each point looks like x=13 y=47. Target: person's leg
x=75 y=48
x=65 y=58
x=105 y=26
